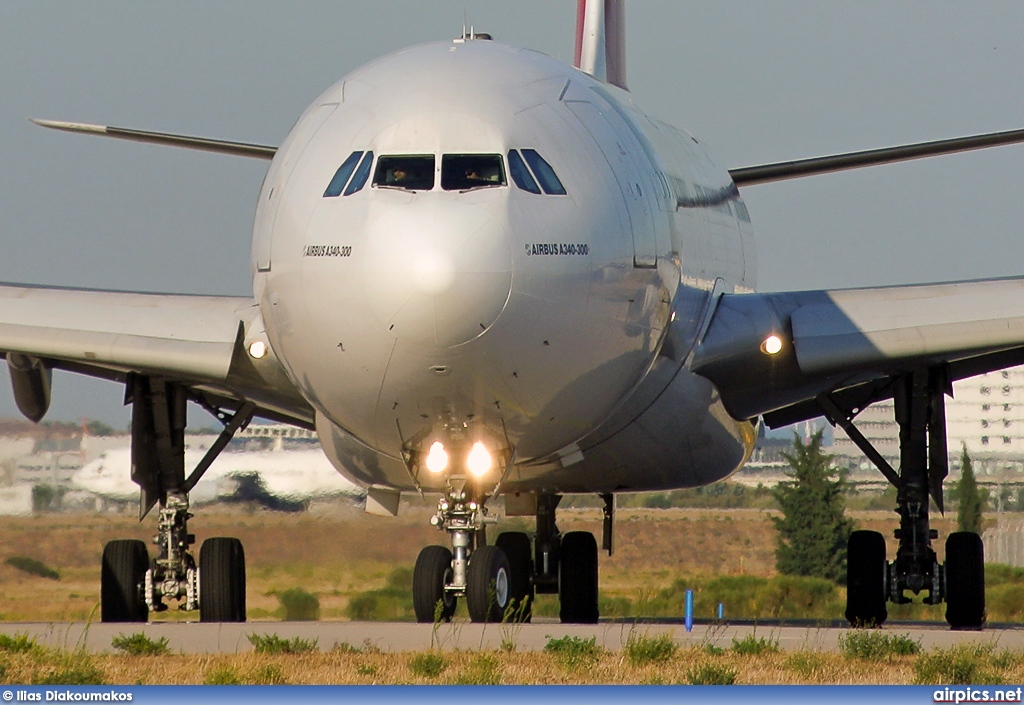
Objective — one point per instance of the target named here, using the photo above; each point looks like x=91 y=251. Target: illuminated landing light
x=771 y=345
x=479 y=460
x=437 y=459
x=258 y=349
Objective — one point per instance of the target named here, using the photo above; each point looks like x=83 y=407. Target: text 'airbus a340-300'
x=478 y=273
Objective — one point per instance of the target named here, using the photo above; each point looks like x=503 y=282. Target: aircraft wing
x=844 y=349
x=198 y=341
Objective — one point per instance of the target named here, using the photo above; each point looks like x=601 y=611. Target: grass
x=140 y=645
x=752 y=645
x=875 y=644
x=429 y=664
x=574 y=652
x=711 y=674
x=273 y=644
x=965 y=664
x=974 y=663
x=641 y=649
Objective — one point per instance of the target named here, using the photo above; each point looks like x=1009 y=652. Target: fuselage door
x=620 y=152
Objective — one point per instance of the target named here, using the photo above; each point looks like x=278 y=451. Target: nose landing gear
x=499 y=582
x=918 y=399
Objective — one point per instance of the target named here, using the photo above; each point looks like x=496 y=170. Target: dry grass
x=467 y=667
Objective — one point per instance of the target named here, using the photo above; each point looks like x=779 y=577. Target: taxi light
x=479 y=460
x=437 y=458
x=771 y=345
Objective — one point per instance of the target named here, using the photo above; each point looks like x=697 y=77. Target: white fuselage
x=548 y=324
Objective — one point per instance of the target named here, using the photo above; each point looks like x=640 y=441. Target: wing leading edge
x=849 y=345
x=200 y=342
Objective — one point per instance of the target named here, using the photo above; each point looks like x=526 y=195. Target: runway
x=196 y=638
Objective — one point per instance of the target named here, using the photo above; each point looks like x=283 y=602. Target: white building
x=986 y=414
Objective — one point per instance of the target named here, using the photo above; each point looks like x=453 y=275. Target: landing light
x=479 y=460
x=771 y=345
x=258 y=349
x=437 y=458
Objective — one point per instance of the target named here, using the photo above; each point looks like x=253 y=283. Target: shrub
x=391 y=603
x=806 y=664
x=299 y=605
x=751 y=645
x=485 y=669
x=269 y=674
x=32 y=567
x=273 y=644
x=225 y=675
x=140 y=645
x=873 y=644
x=711 y=674
x=428 y=664
x=963 y=664
x=573 y=651
x=19 y=643
x=643 y=649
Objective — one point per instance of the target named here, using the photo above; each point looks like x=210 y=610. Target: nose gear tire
x=433 y=571
x=123 y=575
x=488 y=585
x=577 y=578
x=518 y=550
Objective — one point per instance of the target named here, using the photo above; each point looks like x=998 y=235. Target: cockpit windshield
x=406 y=171
x=461 y=172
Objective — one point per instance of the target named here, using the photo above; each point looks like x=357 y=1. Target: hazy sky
x=756 y=81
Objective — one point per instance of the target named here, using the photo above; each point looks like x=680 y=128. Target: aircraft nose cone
x=437 y=274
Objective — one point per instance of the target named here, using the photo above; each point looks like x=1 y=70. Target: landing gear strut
x=132 y=585
x=919 y=404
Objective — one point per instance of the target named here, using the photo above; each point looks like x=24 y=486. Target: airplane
x=479 y=272
x=283 y=480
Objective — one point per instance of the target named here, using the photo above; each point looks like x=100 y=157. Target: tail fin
x=601 y=40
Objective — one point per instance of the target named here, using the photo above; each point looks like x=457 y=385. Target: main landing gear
x=872 y=581
x=499 y=582
x=133 y=585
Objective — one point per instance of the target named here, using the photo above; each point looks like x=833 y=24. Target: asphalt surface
x=403 y=636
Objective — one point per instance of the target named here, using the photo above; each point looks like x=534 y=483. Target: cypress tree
x=813 y=530
x=969 y=509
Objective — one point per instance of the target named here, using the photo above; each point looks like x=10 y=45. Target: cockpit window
x=408 y=171
x=461 y=172
x=520 y=174
x=359 y=178
x=341 y=175
x=544 y=173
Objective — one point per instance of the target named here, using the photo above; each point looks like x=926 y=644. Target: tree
x=813 y=529
x=971 y=501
